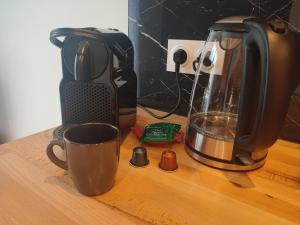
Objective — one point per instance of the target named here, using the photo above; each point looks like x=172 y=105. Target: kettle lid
x=232 y=23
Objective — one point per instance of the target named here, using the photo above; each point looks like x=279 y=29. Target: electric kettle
x=249 y=70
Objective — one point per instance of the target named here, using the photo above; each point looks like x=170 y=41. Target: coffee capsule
x=139 y=157
x=168 y=161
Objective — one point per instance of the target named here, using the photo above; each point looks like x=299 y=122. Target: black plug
x=179 y=57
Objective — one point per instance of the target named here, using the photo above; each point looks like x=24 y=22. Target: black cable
x=179 y=58
x=174 y=108
x=196 y=63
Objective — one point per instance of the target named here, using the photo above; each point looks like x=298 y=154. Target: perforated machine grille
x=87 y=102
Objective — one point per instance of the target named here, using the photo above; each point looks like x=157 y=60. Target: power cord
x=179 y=57
x=196 y=63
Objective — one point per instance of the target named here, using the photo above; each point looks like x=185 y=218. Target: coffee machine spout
x=82 y=63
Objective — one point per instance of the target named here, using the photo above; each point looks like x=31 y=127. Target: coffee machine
x=98 y=83
x=250 y=71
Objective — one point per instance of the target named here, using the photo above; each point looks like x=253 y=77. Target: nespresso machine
x=98 y=83
x=251 y=71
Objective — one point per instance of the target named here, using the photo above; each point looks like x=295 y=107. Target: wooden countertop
x=35 y=191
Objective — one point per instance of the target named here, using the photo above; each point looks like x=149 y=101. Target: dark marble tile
x=153 y=22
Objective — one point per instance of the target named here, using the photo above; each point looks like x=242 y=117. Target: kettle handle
x=263 y=107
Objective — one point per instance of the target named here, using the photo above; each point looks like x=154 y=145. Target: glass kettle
x=245 y=78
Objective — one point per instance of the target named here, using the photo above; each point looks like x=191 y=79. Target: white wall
x=30 y=66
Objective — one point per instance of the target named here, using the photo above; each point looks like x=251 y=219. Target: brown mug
x=92 y=156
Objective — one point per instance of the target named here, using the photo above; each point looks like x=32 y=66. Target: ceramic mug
x=92 y=156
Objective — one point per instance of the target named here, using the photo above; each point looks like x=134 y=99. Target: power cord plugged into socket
x=179 y=58
x=192 y=48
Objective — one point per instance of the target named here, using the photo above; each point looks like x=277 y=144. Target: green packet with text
x=160 y=132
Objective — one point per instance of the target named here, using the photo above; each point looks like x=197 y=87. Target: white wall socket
x=192 y=47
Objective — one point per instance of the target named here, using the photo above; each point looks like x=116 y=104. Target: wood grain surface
x=35 y=191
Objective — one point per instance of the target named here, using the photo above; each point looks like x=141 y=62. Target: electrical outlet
x=193 y=49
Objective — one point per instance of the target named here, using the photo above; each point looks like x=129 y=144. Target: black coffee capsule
x=139 y=157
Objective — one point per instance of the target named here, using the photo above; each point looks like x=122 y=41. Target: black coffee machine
x=98 y=84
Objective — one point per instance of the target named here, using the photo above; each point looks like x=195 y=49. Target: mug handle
x=60 y=163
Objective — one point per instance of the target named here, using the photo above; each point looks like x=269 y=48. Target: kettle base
x=224 y=165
